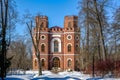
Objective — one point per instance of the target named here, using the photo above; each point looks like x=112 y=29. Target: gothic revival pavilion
x=59 y=47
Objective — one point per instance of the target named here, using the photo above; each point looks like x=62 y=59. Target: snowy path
x=47 y=75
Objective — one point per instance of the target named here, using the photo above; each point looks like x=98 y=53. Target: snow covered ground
x=47 y=75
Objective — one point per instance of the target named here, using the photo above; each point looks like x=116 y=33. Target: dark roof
x=56 y=27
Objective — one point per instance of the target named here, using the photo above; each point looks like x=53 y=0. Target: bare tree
x=23 y=50
x=94 y=18
x=35 y=36
x=7 y=16
x=116 y=26
x=21 y=59
x=99 y=11
x=115 y=31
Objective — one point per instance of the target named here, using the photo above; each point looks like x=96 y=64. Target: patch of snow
x=13 y=77
x=70 y=79
x=49 y=75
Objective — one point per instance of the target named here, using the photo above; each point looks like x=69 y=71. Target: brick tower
x=59 y=47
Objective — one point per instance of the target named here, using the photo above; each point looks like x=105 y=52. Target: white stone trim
x=54 y=57
x=68 y=32
x=52 y=44
x=43 y=32
x=64 y=54
x=60 y=54
x=58 y=32
x=70 y=37
x=56 y=35
x=69 y=59
x=43 y=43
x=71 y=32
x=43 y=38
x=43 y=58
x=69 y=43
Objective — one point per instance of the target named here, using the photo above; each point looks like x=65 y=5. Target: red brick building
x=59 y=47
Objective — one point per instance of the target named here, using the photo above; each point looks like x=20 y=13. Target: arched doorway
x=56 y=62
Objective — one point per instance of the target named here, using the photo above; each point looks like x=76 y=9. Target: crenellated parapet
x=56 y=29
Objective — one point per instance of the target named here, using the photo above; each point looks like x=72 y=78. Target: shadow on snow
x=47 y=78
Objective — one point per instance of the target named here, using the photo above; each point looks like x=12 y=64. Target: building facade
x=59 y=47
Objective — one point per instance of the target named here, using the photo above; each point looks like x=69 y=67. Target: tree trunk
x=100 y=31
x=4 y=5
x=93 y=61
x=39 y=65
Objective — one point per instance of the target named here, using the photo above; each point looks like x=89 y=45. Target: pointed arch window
x=55 y=46
x=42 y=48
x=69 y=48
x=69 y=63
x=43 y=62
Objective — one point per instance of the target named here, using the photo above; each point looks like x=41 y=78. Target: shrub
x=104 y=67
